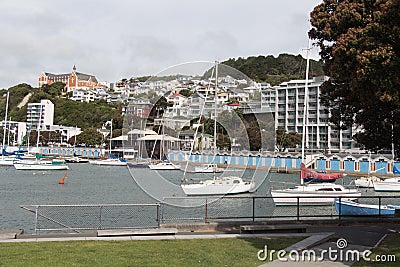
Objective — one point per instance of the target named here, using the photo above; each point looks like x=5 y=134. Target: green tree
x=186 y=92
x=287 y=140
x=90 y=137
x=359 y=44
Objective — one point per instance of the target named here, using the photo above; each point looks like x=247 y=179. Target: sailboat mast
x=305 y=110
x=109 y=150
x=215 y=115
x=5 y=123
x=38 y=128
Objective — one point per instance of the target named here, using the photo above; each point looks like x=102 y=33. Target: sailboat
x=41 y=162
x=311 y=193
x=218 y=185
x=165 y=164
x=75 y=158
x=111 y=160
x=6 y=160
x=318 y=177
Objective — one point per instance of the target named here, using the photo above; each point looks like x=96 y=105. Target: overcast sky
x=122 y=38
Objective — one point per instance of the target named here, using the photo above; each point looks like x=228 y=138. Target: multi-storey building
x=287 y=103
x=40 y=114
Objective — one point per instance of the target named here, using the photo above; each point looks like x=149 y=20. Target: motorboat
x=208 y=168
x=76 y=160
x=164 y=165
x=219 y=186
x=108 y=162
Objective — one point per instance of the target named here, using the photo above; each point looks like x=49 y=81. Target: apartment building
x=287 y=103
x=40 y=114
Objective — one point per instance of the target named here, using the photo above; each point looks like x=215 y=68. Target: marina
x=88 y=184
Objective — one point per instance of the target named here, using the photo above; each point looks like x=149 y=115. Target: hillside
x=66 y=112
x=275 y=70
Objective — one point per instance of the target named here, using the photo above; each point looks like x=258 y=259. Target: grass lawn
x=193 y=252
x=389 y=246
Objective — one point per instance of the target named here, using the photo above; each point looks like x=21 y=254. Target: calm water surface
x=89 y=184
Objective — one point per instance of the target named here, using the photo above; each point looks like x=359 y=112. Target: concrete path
x=345 y=247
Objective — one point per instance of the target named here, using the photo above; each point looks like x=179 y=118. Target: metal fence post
x=36 y=218
x=158 y=215
x=298 y=208
x=340 y=208
x=379 y=201
x=206 y=215
x=100 y=221
x=254 y=208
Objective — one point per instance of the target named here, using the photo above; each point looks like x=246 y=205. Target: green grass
x=193 y=252
x=389 y=246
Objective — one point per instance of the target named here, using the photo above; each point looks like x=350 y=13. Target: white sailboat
x=40 y=162
x=218 y=185
x=112 y=160
x=368 y=181
x=311 y=194
x=6 y=160
x=75 y=158
x=165 y=164
x=388 y=185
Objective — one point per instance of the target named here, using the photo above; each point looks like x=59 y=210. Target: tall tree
x=359 y=43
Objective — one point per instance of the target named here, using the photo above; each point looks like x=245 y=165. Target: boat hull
x=76 y=160
x=387 y=186
x=24 y=166
x=164 y=167
x=351 y=208
x=217 y=187
x=108 y=162
x=7 y=162
x=313 y=194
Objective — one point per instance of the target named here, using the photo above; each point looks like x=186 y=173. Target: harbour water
x=89 y=184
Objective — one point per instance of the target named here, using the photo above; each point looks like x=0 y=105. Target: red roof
x=175 y=95
x=234 y=104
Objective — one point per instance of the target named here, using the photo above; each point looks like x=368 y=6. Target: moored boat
x=366 y=182
x=76 y=160
x=388 y=185
x=164 y=165
x=54 y=164
x=219 y=186
x=208 y=168
x=108 y=162
x=313 y=194
x=351 y=208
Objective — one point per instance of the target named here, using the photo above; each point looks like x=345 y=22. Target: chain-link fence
x=230 y=208
x=77 y=218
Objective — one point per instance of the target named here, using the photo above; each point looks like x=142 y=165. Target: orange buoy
x=62 y=179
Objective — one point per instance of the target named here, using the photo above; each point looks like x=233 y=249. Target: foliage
x=275 y=70
x=55 y=89
x=90 y=137
x=17 y=94
x=186 y=92
x=287 y=140
x=360 y=48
